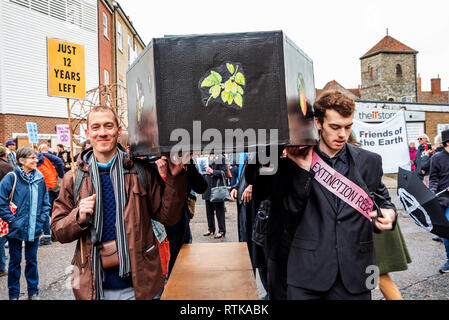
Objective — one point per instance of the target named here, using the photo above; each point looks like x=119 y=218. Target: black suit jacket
x=328 y=241
x=439 y=176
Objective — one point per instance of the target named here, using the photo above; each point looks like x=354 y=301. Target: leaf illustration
x=240 y=89
x=215 y=91
x=225 y=96
x=213 y=79
x=238 y=100
x=230 y=68
x=234 y=88
x=240 y=78
x=228 y=85
x=230 y=98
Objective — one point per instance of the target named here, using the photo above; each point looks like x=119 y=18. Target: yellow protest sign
x=66 y=76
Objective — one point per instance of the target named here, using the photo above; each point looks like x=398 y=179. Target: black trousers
x=218 y=209
x=277 y=279
x=336 y=292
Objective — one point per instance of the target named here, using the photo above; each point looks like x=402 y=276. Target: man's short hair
x=335 y=100
x=103 y=109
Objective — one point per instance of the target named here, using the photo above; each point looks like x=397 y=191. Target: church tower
x=389 y=72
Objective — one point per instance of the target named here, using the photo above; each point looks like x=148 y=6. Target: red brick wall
x=2 y=129
x=432 y=120
x=429 y=97
x=105 y=44
x=14 y=123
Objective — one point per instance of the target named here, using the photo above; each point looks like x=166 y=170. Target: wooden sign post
x=66 y=76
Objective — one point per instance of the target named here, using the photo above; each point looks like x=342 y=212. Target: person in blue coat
x=33 y=208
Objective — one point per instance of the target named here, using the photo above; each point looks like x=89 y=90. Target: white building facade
x=25 y=26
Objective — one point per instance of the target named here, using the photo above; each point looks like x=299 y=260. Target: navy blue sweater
x=112 y=279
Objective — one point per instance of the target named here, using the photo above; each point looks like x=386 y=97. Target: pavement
x=422 y=280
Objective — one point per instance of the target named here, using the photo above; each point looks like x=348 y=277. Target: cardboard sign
x=63 y=133
x=32 y=132
x=388 y=139
x=202 y=163
x=66 y=75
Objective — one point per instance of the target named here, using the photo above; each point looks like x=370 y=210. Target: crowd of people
x=131 y=216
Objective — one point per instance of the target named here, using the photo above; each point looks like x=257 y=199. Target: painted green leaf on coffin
x=238 y=100
x=215 y=91
x=230 y=68
x=213 y=79
x=228 y=86
x=230 y=98
x=240 y=78
x=224 y=96
x=240 y=89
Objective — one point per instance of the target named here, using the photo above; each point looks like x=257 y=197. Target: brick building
x=334 y=85
x=119 y=46
x=105 y=42
x=435 y=95
x=390 y=82
x=111 y=44
x=25 y=26
x=388 y=72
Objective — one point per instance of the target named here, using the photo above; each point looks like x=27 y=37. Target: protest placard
x=388 y=139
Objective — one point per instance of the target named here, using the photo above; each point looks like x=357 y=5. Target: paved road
x=421 y=281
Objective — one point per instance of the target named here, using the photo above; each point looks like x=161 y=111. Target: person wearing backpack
x=33 y=207
x=108 y=209
x=52 y=168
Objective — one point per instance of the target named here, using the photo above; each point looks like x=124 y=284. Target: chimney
x=435 y=85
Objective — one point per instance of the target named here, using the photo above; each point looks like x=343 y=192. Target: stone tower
x=389 y=72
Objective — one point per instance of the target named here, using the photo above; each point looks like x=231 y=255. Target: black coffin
x=247 y=81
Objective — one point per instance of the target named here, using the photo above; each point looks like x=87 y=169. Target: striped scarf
x=117 y=179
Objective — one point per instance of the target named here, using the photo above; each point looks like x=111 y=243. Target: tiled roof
x=389 y=44
x=334 y=85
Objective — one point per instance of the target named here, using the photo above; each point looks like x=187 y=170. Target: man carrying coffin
x=109 y=212
x=331 y=196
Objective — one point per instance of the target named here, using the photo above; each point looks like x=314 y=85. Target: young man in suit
x=332 y=253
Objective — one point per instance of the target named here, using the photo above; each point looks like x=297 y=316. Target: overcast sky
x=334 y=34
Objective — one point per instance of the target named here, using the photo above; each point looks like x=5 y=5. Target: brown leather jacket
x=5 y=168
x=162 y=202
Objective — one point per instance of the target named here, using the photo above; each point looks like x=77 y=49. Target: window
x=119 y=36
x=370 y=69
x=77 y=12
x=407 y=99
x=106 y=77
x=25 y=3
x=40 y=6
x=74 y=12
x=105 y=25
x=58 y=9
x=398 y=70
